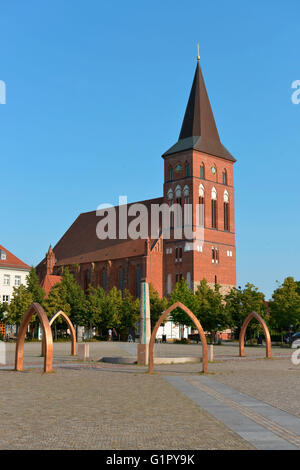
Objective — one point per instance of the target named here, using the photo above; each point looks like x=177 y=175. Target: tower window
x=226 y=216
x=178 y=208
x=170 y=197
x=224 y=177
x=226 y=212
x=187 y=170
x=202 y=171
x=170 y=174
x=201 y=206
x=178 y=254
x=214 y=213
x=215 y=255
x=201 y=211
x=187 y=211
x=214 y=208
x=178 y=194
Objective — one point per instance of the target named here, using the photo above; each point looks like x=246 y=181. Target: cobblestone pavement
x=61 y=351
x=100 y=408
x=106 y=406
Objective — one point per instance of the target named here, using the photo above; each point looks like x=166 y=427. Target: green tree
x=285 y=306
x=20 y=302
x=182 y=293
x=240 y=302
x=112 y=310
x=73 y=295
x=297 y=287
x=56 y=301
x=157 y=305
x=33 y=286
x=130 y=310
x=93 y=308
x=209 y=308
x=4 y=307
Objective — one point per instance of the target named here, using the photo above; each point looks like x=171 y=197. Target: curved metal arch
x=71 y=328
x=266 y=333
x=48 y=356
x=165 y=315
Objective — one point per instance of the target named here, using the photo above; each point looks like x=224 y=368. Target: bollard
x=211 y=353
x=83 y=351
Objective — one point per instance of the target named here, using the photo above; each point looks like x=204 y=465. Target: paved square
x=241 y=404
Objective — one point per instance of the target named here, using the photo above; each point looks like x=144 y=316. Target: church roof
x=199 y=130
x=80 y=243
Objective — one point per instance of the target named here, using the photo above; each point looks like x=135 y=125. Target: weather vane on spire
x=198 y=56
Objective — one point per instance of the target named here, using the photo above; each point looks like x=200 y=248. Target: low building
x=13 y=273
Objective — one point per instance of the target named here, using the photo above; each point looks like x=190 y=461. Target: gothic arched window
x=186 y=193
x=202 y=171
x=178 y=208
x=226 y=211
x=214 y=207
x=224 y=177
x=178 y=194
x=187 y=215
x=201 y=205
x=170 y=199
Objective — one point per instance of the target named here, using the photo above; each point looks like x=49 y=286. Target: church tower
x=198 y=170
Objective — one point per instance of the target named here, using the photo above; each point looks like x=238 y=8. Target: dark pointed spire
x=199 y=119
x=199 y=130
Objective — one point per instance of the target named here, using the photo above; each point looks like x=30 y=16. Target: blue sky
x=96 y=92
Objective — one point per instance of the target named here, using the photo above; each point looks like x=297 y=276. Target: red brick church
x=198 y=170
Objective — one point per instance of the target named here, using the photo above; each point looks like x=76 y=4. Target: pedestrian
x=109 y=334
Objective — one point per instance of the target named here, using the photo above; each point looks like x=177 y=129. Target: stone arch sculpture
x=48 y=356
x=266 y=333
x=196 y=322
x=71 y=328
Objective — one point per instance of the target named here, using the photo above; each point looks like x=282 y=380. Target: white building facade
x=13 y=273
x=173 y=331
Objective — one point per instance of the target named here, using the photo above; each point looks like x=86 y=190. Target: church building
x=198 y=171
